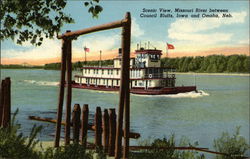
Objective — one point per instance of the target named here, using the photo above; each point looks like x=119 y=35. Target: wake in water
x=192 y=94
x=42 y=83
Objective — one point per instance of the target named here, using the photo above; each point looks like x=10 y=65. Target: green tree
x=31 y=20
x=246 y=65
x=234 y=145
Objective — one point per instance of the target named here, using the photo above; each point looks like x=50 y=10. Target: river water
x=222 y=106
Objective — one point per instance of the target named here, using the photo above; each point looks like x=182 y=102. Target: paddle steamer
x=146 y=75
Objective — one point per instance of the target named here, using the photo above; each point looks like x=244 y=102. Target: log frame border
x=124 y=96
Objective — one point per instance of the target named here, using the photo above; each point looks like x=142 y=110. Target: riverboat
x=146 y=75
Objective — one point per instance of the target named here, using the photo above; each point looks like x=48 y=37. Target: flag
x=86 y=49
x=170 y=46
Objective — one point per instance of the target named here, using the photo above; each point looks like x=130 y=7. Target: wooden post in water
x=7 y=103
x=69 y=89
x=98 y=128
x=112 y=132
x=1 y=101
x=124 y=91
x=84 y=132
x=105 y=130
x=76 y=122
x=61 y=93
x=126 y=54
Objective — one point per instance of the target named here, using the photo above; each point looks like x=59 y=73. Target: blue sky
x=190 y=36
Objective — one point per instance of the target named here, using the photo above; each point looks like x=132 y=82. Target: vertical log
x=1 y=101
x=85 y=115
x=124 y=87
x=112 y=131
x=98 y=128
x=69 y=90
x=76 y=122
x=127 y=38
x=7 y=103
x=105 y=130
x=61 y=93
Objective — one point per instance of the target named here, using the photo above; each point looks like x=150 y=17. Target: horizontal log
x=165 y=148
x=178 y=148
x=132 y=135
x=107 y=26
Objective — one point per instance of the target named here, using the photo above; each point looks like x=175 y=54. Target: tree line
x=209 y=64
x=79 y=64
x=16 y=66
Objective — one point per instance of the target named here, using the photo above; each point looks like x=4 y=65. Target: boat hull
x=143 y=91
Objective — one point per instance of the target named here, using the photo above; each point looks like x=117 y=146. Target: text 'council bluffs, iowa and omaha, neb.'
x=185 y=13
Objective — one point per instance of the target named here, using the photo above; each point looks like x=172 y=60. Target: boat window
x=102 y=71
x=89 y=70
x=117 y=82
x=149 y=83
x=108 y=72
x=85 y=70
x=117 y=72
x=111 y=72
x=140 y=83
x=135 y=83
x=96 y=71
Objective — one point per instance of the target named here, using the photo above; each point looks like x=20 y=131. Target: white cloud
x=195 y=30
x=202 y=24
x=136 y=31
x=101 y=42
x=202 y=38
x=49 y=49
x=245 y=41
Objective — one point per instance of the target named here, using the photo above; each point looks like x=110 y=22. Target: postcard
x=158 y=79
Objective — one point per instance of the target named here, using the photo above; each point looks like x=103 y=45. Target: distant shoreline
x=178 y=73
x=219 y=74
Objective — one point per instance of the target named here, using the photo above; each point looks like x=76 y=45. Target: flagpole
x=100 y=58
x=85 y=57
x=167 y=51
x=85 y=61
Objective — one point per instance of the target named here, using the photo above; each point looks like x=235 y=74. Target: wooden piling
x=61 y=93
x=105 y=130
x=7 y=103
x=76 y=123
x=84 y=125
x=126 y=47
x=69 y=90
x=124 y=89
x=98 y=128
x=112 y=132
x=1 y=101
